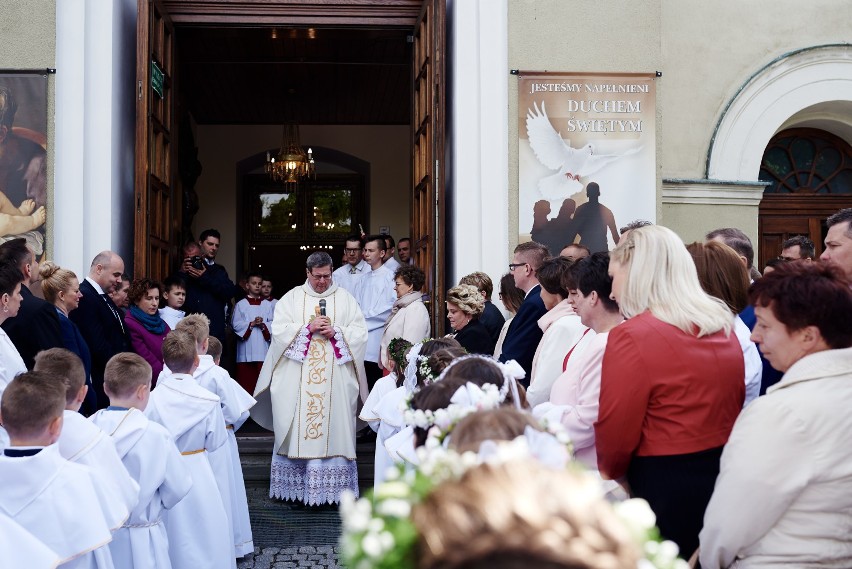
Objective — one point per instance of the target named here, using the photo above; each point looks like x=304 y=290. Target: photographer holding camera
x=209 y=291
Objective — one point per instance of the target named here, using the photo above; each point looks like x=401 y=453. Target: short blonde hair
x=30 y=402
x=501 y=424
x=54 y=279
x=509 y=516
x=197 y=325
x=214 y=347
x=64 y=364
x=661 y=277
x=481 y=281
x=467 y=298
x=179 y=351
x=125 y=372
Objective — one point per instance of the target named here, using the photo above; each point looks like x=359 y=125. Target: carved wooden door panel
x=155 y=200
x=427 y=168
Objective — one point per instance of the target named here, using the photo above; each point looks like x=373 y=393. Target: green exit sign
x=157 y=78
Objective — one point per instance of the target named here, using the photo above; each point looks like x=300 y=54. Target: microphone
x=322 y=306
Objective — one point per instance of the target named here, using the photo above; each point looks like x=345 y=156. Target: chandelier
x=292 y=165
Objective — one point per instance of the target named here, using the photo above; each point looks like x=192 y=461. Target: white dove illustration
x=556 y=153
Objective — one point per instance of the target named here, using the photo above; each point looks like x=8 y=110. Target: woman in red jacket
x=671 y=383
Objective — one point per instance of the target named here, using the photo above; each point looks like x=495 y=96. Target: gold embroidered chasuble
x=308 y=387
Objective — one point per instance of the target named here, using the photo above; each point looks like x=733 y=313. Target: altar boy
x=36 y=479
x=235 y=404
x=81 y=440
x=150 y=455
x=198 y=527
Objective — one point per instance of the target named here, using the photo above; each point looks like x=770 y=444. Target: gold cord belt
x=189 y=452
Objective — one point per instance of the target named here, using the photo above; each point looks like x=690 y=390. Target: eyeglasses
x=320 y=277
x=513 y=266
x=352 y=251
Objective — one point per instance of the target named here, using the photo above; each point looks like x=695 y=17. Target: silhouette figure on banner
x=590 y=222
x=557 y=232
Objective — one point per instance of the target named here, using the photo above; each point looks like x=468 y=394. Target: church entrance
x=810 y=176
x=364 y=83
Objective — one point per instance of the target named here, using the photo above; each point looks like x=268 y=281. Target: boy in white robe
x=198 y=527
x=81 y=440
x=235 y=404
x=174 y=295
x=251 y=321
x=20 y=548
x=57 y=501
x=150 y=455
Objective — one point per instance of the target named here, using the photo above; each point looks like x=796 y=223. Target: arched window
x=806 y=160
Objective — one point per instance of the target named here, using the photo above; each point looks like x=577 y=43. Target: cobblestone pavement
x=320 y=557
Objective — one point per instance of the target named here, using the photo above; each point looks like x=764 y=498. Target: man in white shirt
x=347 y=276
x=390 y=262
x=375 y=295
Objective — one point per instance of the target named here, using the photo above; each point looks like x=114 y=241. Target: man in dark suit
x=99 y=319
x=36 y=327
x=524 y=334
x=208 y=289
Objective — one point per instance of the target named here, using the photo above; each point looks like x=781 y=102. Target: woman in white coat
x=409 y=317
x=784 y=493
x=562 y=329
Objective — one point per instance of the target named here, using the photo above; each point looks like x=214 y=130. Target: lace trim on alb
x=312 y=484
x=298 y=348
x=341 y=350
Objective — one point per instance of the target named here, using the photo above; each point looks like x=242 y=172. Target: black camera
x=197 y=262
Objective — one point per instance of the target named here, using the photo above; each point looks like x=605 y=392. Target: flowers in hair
x=379 y=534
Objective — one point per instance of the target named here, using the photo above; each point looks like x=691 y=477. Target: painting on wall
x=23 y=157
x=587 y=157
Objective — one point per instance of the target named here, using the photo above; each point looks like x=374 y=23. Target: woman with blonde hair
x=61 y=288
x=671 y=383
x=464 y=307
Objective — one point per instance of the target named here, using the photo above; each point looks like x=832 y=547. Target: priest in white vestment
x=308 y=388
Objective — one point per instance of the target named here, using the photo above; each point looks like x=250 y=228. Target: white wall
x=95 y=131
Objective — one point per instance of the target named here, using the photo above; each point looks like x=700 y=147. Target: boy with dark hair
x=174 y=295
x=199 y=532
x=150 y=456
x=36 y=479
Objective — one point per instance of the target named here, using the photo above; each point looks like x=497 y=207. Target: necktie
x=352 y=270
x=114 y=310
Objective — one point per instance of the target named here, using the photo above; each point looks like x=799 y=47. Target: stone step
x=256 y=458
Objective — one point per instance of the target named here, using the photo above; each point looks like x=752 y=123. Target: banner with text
x=586 y=156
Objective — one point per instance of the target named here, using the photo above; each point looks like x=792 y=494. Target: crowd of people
x=658 y=391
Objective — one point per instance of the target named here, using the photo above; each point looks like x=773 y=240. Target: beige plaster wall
x=710 y=50
x=602 y=36
x=221 y=147
x=28 y=30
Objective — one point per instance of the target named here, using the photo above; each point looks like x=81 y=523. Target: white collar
x=95 y=285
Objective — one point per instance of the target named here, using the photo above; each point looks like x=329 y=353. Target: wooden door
x=155 y=145
x=427 y=143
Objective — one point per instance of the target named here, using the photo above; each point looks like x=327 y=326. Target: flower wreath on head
x=467 y=399
x=379 y=534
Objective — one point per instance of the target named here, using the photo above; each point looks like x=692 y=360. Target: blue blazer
x=73 y=341
x=523 y=335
